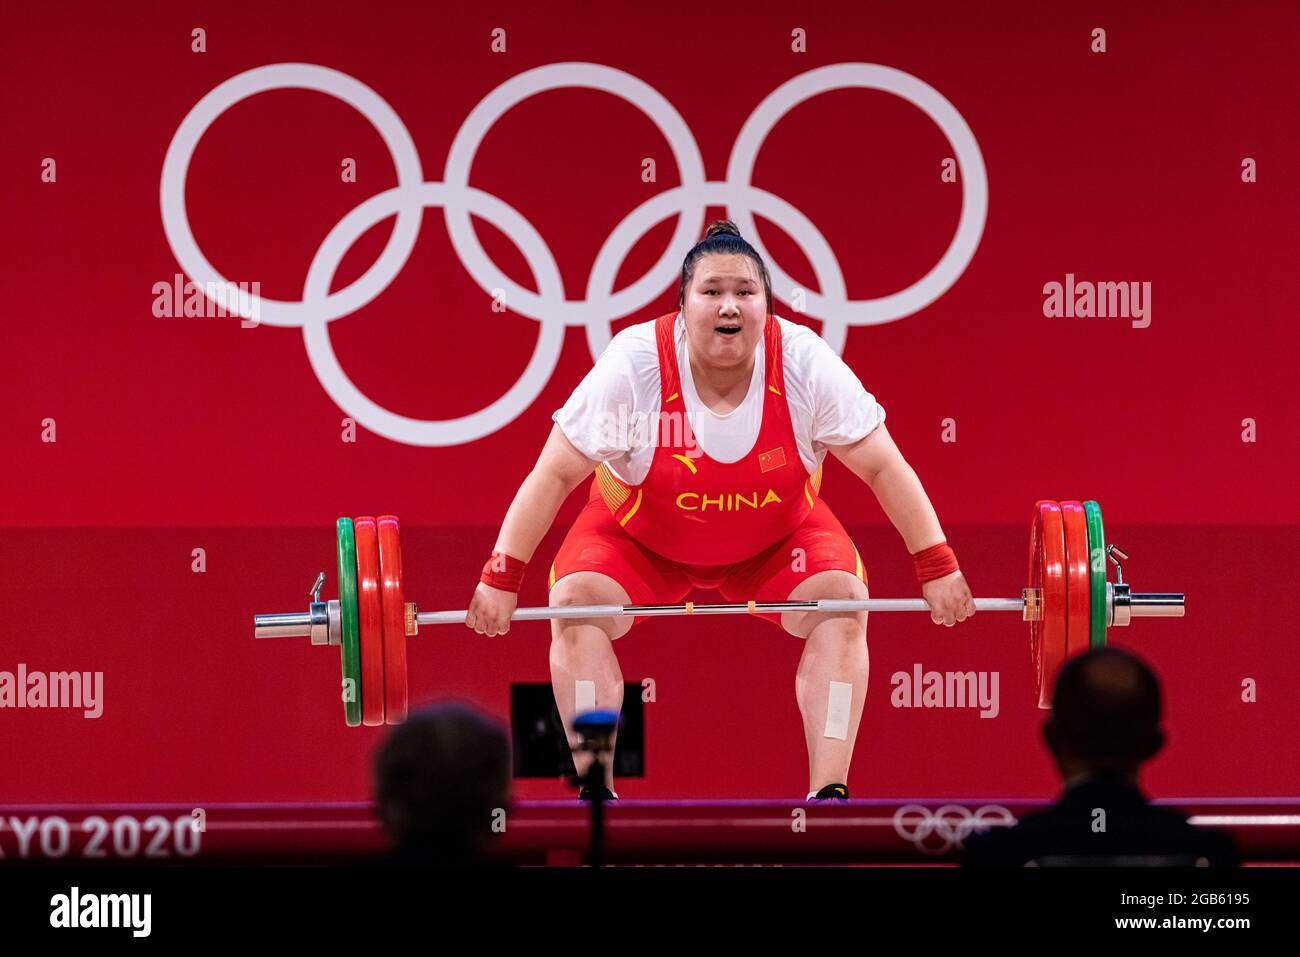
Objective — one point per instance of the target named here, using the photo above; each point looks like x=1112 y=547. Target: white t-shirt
x=611 y=415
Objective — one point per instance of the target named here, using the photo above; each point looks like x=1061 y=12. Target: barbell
x=1069 y=604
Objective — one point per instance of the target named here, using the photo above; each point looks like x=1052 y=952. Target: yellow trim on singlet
x=775 y=389
x=813 y=487
x=614 y=492
x=551 y=582
x=685 y=460
x=673 y=396
x=632 y=511
x=862 y=569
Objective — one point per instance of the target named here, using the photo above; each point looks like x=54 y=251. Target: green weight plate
x=350 y=646
x=1096 y=575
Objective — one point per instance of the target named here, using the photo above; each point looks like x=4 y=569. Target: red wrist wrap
x=934 y=562
x=504 y=572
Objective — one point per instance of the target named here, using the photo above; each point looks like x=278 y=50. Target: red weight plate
x=1047 y=635
x=1078 y=583
x=390 y=569
x=371 y=619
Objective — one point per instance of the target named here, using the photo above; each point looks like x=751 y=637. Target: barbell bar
x=1068 y=603
x=299 y=624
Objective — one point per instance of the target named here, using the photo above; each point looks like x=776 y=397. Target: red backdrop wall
x=183 y=433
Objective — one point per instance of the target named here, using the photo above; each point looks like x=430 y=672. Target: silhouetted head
x=1105 y=714
x=440 y=777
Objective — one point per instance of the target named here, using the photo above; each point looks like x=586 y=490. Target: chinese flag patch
x=771 y=460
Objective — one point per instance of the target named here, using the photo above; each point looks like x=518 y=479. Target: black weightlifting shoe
x=605 y=794
x=830 y=793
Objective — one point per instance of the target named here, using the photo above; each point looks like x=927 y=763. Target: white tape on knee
x=584 y=694
x=839 y=703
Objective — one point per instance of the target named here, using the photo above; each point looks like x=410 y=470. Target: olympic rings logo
x=950 y=825
x=318 y=306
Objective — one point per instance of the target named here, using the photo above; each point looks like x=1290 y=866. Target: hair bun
x=721 y=227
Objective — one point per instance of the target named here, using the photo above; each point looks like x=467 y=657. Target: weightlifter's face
x=725 y=309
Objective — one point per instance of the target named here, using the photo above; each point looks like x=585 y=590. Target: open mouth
x=728 y=330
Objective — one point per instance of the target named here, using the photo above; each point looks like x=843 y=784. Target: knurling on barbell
x=1068 y=604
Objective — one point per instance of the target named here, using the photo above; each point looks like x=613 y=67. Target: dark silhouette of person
x=1104 y=724
x=442 y=785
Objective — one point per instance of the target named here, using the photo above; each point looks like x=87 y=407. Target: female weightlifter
x=706 y=430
